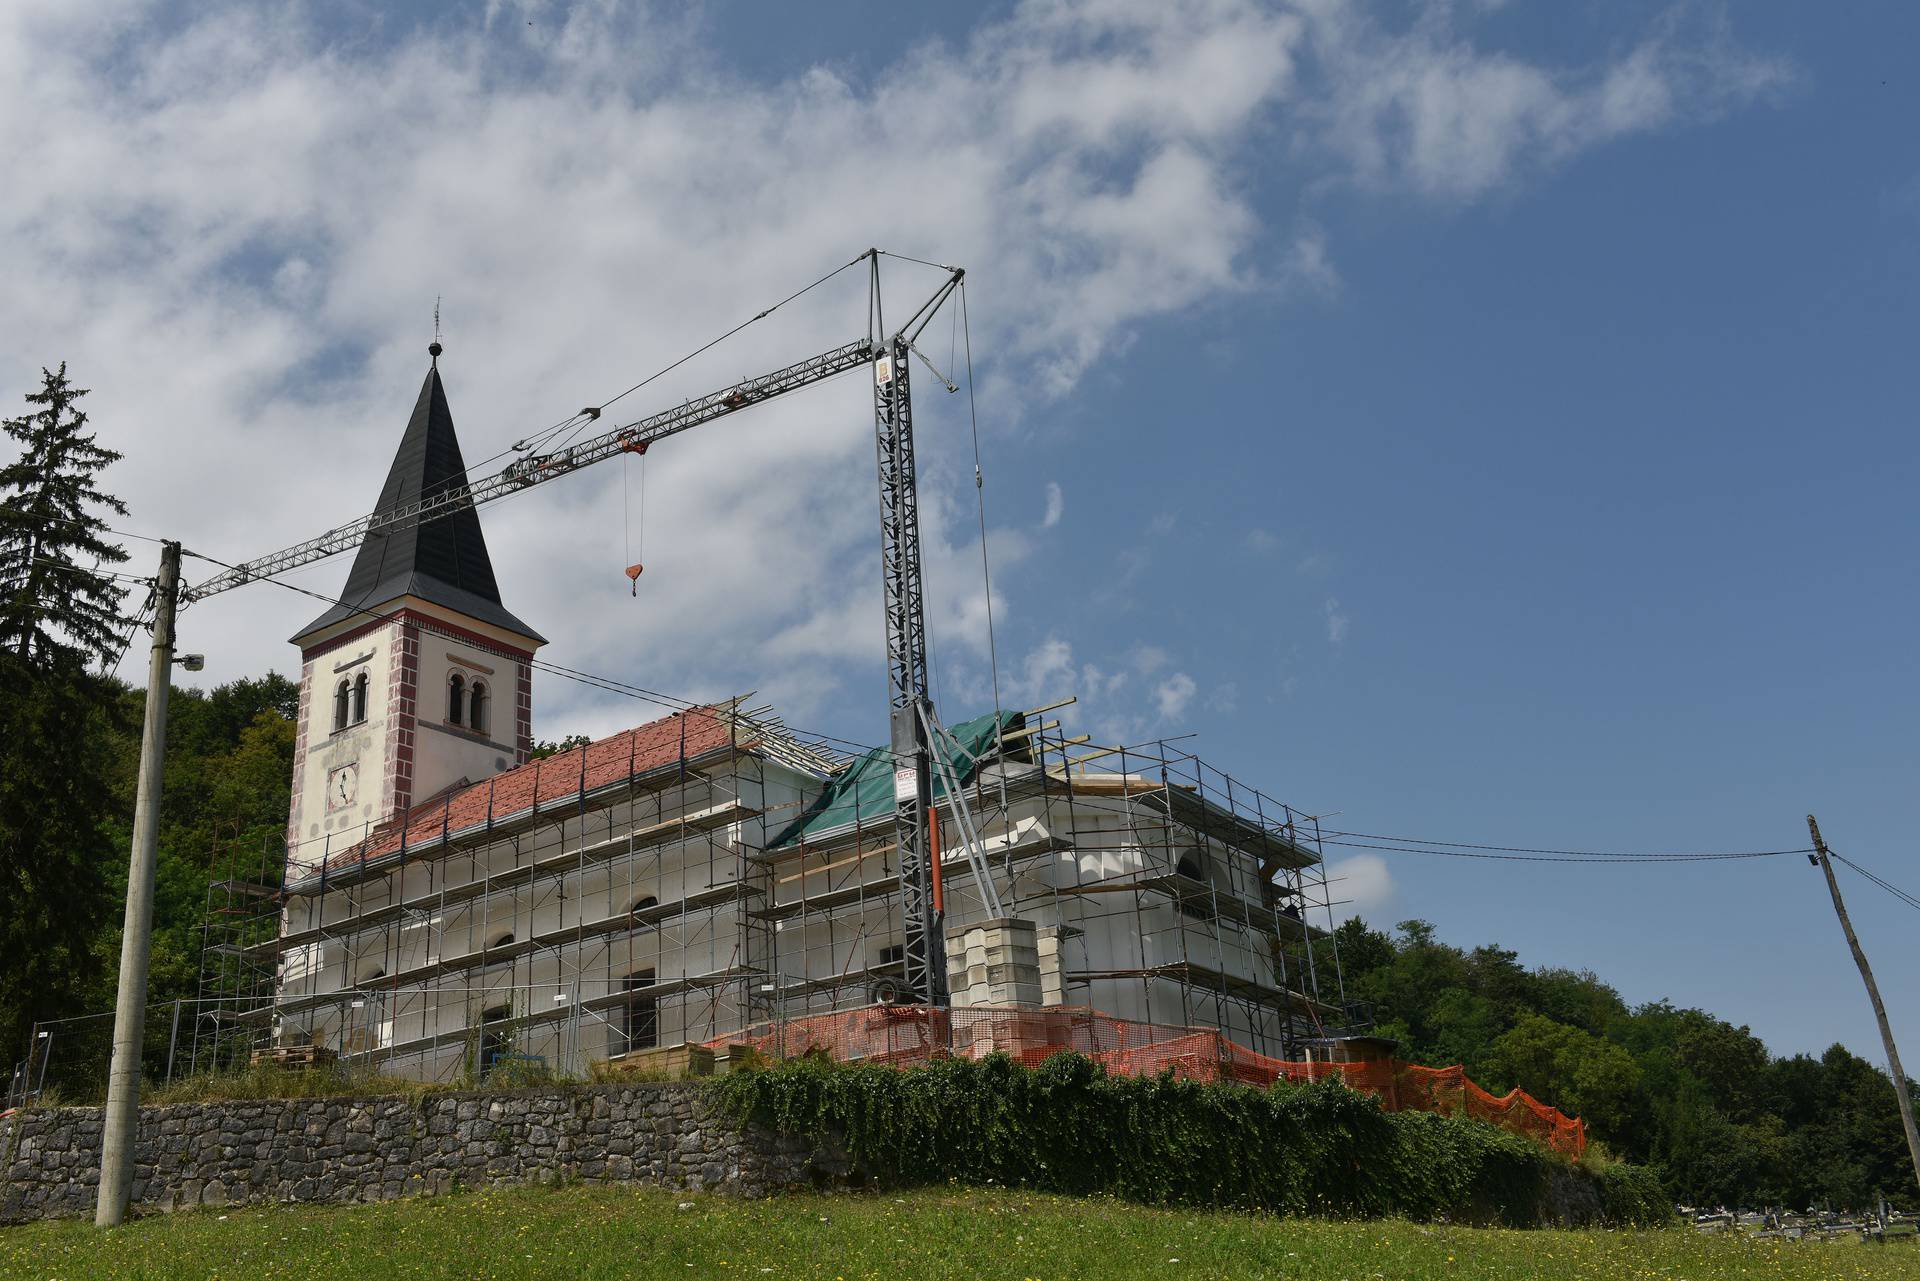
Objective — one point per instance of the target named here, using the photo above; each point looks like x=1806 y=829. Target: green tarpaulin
x=863 y=791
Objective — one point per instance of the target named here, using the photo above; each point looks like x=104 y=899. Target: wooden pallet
x=665 y=1063
x=295 y=1056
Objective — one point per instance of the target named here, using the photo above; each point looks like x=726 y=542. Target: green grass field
x=595 y=1232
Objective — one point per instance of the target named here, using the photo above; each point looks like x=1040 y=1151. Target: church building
x=452 y=904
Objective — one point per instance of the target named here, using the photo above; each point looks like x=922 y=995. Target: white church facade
x=451 y=904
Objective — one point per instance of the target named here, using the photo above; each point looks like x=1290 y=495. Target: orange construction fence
x=904 y=1035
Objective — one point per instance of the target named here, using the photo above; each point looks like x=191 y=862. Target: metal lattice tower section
x=904 y=606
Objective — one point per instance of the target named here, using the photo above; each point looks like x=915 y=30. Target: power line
x=1900 y=894
x=87 y=520
x=1597 y=858
x=96 y=573
x=1633 y=855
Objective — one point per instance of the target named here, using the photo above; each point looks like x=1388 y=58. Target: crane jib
x=535 y=469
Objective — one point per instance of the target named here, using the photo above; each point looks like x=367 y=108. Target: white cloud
x=1056 y=506
x=1337 y=622
x=1362 y=885
x=1148 y=659
x=238 y=221
x=1426 y=109
x=1171 y=696
x=1262 y=541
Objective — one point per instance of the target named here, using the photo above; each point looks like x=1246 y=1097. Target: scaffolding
x=237 y=969
x=715 y=873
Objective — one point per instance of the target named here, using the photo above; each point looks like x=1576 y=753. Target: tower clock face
x=343 y=785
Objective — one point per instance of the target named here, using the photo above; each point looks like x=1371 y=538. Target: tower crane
x=917 y=739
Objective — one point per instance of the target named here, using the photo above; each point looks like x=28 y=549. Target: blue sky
x=1489 y=421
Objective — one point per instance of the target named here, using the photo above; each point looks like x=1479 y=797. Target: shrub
x=1067 y=1126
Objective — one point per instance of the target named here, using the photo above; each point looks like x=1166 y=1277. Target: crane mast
x=914 y=728
x=904 y=603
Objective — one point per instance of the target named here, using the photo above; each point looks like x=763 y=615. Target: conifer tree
x=57 y=613
x=56 y=610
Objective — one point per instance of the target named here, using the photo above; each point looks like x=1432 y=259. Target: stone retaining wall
x=376 y=1149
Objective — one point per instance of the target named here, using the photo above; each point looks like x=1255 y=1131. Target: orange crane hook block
x=633 y=576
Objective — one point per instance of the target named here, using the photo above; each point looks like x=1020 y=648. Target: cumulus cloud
x=1362 y=885
x=1056 y=506
x=1171 y=696
x=1425 y=108
x=238 y=219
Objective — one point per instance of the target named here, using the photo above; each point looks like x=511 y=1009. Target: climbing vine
x=1067 y=1126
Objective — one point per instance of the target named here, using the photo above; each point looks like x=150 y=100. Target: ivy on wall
x=1066 y=1126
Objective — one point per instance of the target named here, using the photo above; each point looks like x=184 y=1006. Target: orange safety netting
x=904 y=1035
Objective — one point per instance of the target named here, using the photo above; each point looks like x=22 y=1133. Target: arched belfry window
x=360 y=698
x=340 y=696
x=456 y=699
x=477 y=708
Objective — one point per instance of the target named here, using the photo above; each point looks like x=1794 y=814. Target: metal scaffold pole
x=136 y=940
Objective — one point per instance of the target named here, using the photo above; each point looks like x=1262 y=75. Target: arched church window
x=477 y=708
x=340 y=705
x=456 y=699
x=360 y=698
x=504 y=940
x=641 y=904
x=1192 y=866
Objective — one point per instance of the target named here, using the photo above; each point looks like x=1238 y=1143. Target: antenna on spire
x=434 y=348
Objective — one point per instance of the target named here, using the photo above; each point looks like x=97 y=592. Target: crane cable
x=580 y=420
x=980 y=501
x=635 y=564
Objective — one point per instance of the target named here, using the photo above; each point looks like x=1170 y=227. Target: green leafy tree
x=548 y=747
x=54 y=608
x=1575 y=1070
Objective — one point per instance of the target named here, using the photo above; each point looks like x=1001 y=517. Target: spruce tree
x=58 y=719
x=54 y=608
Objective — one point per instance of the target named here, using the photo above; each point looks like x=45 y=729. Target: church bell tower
x=420 y=679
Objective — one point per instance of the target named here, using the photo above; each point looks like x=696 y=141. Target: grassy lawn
x=593 y=1232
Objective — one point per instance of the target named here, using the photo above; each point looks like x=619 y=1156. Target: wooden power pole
x=1873 y=993
x=121 y=1131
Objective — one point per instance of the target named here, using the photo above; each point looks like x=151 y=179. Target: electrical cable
x=107 y=529
x=1910 y=900
x=1595 y=859
x=139 y=620
x=1528 y=849
x=96 y=573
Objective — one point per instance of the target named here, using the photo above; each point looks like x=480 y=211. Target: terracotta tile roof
x=685 y=735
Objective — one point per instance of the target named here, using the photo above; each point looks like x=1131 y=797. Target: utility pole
x=136 y=940
x=1873 y=993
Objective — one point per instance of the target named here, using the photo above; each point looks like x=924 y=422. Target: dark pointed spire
x=445 y=560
